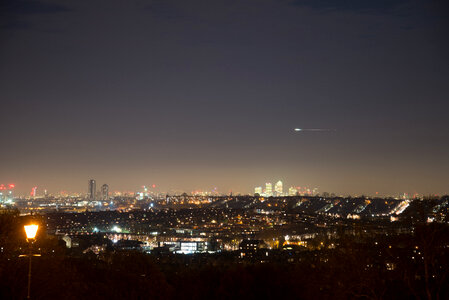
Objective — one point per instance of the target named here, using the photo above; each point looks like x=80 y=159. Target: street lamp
x=30 y=231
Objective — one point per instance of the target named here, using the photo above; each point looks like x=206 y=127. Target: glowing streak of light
x=315 y=129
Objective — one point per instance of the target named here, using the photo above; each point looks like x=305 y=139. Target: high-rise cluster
x=92 y=191
x=268 y=191
x=279 y=190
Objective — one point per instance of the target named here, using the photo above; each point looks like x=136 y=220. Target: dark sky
x=201 y=94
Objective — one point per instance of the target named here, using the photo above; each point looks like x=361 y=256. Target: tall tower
x=91 y=189
x=34 y=191
x=268 y=189
x=105 y=192
x=278 y=188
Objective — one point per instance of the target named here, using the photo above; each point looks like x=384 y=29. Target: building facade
x=105 y=192
x=91 y=189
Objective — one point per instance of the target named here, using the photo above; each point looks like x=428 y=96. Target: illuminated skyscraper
x=278 y=188
x=105 y=192
x=292 y=191
x=268 y=189
x=258 y=190
x=91 y=189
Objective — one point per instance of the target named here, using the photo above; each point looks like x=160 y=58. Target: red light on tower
x=12 y=185
x=33 y=191
x=154 y=186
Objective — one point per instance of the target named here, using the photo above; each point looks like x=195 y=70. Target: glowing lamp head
x=31 y=231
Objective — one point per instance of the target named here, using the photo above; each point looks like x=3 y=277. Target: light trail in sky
x=314 y=129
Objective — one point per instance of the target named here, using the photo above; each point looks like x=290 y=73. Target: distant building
x=128 y=245
x=70 y=241
x=6 y=194
x=292 y=191
x=91 y=189
x=105 y=192
x=278 y=188
x=187 y=247
x=268 y=189
x=251 y=245
x=34 y=191
x=258 y=190
x=251 y=248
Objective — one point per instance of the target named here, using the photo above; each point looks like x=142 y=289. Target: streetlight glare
x=31 y=231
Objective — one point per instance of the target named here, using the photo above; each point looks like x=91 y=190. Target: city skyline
x=193 y=95
x=278 y=189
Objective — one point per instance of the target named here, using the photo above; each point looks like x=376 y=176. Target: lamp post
x=30 y=231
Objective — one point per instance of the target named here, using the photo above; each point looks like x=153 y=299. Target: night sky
x=202 y=94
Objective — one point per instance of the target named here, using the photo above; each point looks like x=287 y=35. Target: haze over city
x=192 y=95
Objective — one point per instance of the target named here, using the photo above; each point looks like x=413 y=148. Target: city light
x=116 y=229
x=31 y=231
